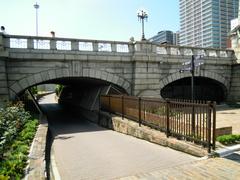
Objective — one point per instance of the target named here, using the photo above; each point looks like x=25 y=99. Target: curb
x=227 y=150
x=54 y=173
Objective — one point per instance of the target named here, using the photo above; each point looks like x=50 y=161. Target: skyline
x=93 y=19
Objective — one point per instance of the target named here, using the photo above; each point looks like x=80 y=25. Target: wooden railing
x=191 y=121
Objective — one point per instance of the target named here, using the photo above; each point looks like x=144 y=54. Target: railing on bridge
x=192 y=121
x=67 y=44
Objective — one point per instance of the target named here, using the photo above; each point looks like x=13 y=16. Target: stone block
x=53 y=56
x=92 y=73
x=16 y=88
x=52 y=74
x=31 y=80
x=23 y=83
x=3 y=83
x=86 y=72
x=59 y=73
x=109 y=77
x=98 y=74
x=3 y=90
x=115 y=79
x=104 y=75
x=38 y=78
x=44 y=75
x=65 y=73
x=223 y=131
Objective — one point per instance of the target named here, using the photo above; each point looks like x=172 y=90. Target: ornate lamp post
x=36 y=6
x=142 y=15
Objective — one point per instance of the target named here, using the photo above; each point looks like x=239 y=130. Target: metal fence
x=183 y=119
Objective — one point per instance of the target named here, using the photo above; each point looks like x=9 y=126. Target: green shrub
x=58 y=89
x=16 y=133
x=228 y=139
x=34 y=90
x=12 y=119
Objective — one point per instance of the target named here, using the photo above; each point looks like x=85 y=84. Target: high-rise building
x=206 y=23
x=165 y=37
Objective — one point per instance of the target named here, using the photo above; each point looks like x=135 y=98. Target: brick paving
x=76 y=158
x=214 y=168
x=228 y=116
x=83 y=150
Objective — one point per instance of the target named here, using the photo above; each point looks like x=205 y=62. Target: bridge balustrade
x=49 y=43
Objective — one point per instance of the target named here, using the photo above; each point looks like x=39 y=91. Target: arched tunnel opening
x=204 y=89
x=80 y=92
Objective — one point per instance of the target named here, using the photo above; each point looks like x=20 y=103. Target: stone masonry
x=140 y=68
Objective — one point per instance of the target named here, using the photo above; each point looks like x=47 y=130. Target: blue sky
x=89 y=19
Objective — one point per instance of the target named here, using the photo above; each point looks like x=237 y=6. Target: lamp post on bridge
x=142 y=15
x=36 y=6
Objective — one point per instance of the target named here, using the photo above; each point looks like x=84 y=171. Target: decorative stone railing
x=67 y=44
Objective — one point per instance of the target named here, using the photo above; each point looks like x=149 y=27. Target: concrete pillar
x=218 y=53
x=95 y=46
x=113 y=47
x=53 y=44
x=74 y=45
x=30 y=44
x=1 y=41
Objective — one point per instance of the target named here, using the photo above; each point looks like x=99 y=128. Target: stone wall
x=37 y=168
x=3 y=81
x=132 y=128
x=234 y=93
x=142 y=70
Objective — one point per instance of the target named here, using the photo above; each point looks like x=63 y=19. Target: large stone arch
x=52 y=74
x=176 y=76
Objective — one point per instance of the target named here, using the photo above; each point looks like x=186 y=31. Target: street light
x=142 y=15
x=36 y=6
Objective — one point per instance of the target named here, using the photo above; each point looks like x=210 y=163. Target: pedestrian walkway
x=214 y=168
x=228 y=116
x=83 y=150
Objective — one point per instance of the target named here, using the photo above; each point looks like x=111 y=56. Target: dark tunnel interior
x=204 y=89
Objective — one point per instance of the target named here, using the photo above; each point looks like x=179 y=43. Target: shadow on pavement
x=234 y=157
x=64 y=121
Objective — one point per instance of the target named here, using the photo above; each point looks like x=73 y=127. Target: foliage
x=34 y=90
x=58 y=89
x=162 y=111
x=229 y=139
x=16 y=132
x=12 y=119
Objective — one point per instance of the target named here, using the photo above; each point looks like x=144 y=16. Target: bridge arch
x=178 y=84
x=52 y=74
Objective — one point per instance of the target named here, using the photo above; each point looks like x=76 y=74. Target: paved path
x=228 y=116
x=215 y=169
x=84 y=150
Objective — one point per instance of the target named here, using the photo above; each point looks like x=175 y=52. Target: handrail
x=174 y=117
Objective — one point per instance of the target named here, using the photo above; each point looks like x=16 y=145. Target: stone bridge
x=138 y=68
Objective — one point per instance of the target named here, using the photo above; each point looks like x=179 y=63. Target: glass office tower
x=206 y=23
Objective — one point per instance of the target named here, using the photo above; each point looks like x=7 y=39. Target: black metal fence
x=191 y=121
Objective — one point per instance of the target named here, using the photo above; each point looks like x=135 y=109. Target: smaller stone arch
x=176 y=76
x=52 y=74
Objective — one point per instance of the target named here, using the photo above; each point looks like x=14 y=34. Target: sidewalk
x=214 y=168
x=228 y=116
